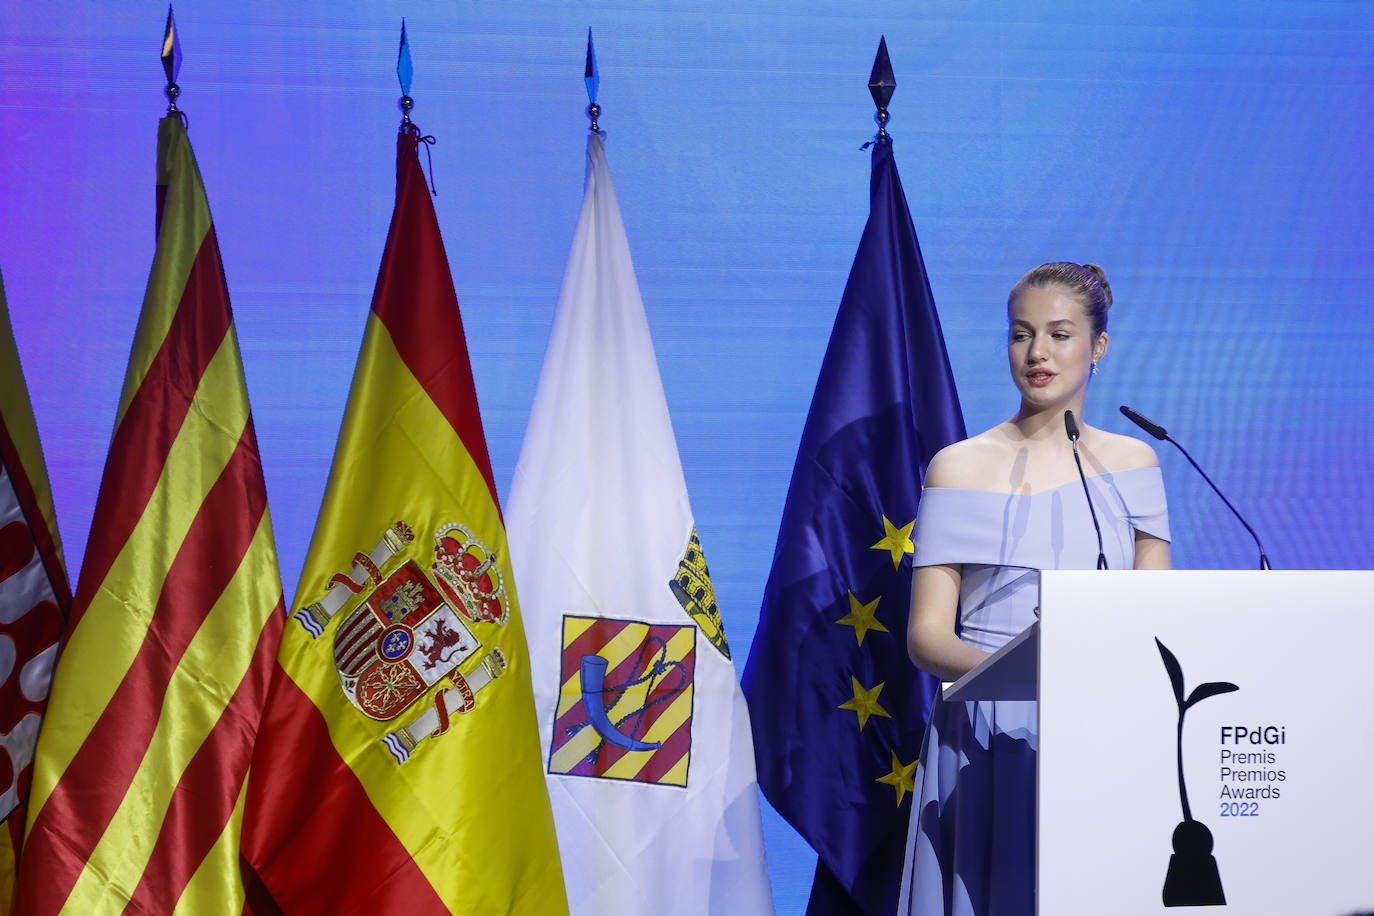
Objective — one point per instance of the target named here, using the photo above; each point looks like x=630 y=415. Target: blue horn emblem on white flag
x=593 y=685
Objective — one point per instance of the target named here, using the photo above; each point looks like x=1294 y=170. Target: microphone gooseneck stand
x=1159 y=432
x=1071 y=427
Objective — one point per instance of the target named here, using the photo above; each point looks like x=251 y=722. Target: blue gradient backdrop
x=1214 y=158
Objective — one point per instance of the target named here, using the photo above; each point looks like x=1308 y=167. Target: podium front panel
x=1278 y=772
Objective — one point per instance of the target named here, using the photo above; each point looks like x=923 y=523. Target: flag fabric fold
x=647 y=748
x=398 y=769
x=34 y=599
x=138 y=780
x=838 y=709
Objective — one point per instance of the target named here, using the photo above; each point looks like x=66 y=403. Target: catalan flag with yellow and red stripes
x=141 y=766
x=34 y=599
x=398 y=768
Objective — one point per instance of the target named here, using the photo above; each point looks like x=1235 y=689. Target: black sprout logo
x=1193 y=878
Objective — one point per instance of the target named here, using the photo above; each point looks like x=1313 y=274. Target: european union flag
x=838 y=710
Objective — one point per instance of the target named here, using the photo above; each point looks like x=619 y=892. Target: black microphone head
x=1153 y=429
x=1070 y=426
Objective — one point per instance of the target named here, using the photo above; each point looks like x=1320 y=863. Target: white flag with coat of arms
x=647 y=746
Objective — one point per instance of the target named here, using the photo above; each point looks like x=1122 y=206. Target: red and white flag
x=34 y=599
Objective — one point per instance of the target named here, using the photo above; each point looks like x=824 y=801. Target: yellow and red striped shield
x=625 y=705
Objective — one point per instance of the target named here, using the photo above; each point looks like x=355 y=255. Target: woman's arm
x=1151 y=552
x=930 y=639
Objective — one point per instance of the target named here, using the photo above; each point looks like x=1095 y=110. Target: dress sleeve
x=1147 y=509
x=954 y=526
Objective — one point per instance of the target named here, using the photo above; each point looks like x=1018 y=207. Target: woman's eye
x=1060 y=335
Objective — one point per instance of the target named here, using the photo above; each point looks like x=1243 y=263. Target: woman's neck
x=1046 y=424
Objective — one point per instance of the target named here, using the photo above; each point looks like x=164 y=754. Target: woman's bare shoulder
x=968 y=464
x=1125 y=453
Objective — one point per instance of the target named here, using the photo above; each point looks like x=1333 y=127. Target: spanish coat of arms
x=412 y=630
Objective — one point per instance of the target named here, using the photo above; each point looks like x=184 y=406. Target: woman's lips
x=1039 y=378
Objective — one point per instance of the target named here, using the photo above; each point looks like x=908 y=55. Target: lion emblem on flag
x=403 y=639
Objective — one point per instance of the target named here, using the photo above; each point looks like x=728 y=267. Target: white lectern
x=1274 y=756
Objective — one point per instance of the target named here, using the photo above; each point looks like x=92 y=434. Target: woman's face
x=1051 y=346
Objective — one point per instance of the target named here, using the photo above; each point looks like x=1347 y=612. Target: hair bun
x=1101 y=276
x=1084 y=282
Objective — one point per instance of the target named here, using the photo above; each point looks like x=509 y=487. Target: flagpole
x=592 y=77
x=405 y=71
x=171 y=61
x=881 y=84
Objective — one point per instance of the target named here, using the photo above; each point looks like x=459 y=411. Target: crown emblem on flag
x=467 y=572
x=693 y=590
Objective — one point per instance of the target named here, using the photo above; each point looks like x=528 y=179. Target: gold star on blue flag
x=863 y=617
x=865 y=703
x=896 y=541
x=902 y=777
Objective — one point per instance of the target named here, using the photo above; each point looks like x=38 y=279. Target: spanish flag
x=398 y=770
x=34 y=598
x=138 y=782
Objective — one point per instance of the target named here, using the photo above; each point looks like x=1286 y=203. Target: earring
x=1093 y=369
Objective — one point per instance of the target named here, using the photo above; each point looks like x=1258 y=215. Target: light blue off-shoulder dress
x=971 y=843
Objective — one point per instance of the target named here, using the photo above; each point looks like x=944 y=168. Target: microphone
x=1071 y=427
x=1159 y=432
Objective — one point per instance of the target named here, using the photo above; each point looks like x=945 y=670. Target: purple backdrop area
x=1213 y=157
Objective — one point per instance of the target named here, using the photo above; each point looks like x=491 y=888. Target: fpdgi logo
x=1193 y=878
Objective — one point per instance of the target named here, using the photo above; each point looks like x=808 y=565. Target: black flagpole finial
x=405 y=72
x=171 y=60
x=881 y=84
x=593 y=80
